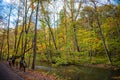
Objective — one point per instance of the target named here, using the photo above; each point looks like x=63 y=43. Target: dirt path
x=7 y=74
x=13 y=73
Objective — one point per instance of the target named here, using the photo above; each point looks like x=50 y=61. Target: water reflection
x=81 y=73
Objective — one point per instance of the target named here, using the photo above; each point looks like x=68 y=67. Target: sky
x=5 y=9
x=8 y=1
x=4 y=12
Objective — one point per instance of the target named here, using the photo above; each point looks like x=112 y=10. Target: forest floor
x=31 y=74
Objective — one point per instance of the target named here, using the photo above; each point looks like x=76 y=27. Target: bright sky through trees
x=5 y=6
x=4 y=12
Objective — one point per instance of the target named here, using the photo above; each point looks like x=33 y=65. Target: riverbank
x=32 y=74
x=71 y=71
x=104 y=66
x=82 y=71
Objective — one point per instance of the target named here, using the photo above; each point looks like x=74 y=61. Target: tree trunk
x=74 y=18
x=16 y=29
x=101 y=33
x=2 y=44
x=35 y=39
x=48 y=23
x=8 y=44
x=75 y=39
x=103 y=40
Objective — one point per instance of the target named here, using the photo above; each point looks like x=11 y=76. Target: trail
x=7 y=74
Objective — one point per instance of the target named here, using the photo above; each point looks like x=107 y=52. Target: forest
x=62 y=32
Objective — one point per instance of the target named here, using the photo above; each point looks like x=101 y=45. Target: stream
x=80 y=72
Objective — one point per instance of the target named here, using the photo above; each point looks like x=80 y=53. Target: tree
x=8 y=31
x=47 y=20
x=35 y=37
x=74 y=14
x=2 y=44
x=100 y=30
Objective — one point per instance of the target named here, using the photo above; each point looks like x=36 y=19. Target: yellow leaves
x=32 y=1
x=44 y=46
x=41 y=47
x=84 y=32
x=88 y=8
x=62 y=49
x=31 y=25
x=86 y=40
x=27 y=26
x=110 y=19
x=62 y=37
x=118 y=9
x=94 y=24
x=107 y=7
x=90 y=40
x=106 y=25
x=110 y=22
x=20 y=28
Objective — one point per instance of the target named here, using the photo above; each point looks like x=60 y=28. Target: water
x=81 y=73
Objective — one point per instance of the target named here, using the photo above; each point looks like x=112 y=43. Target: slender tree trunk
x=75 y=39
x=16 y=29
x=48 y=23
x=35 y=38
x=104 y=43
x=2 y=44
x=118 y=30
x=74 y=18
x=26 y=35
x=16 y=33
x=29 y=61
x=18 y=42
x=24 y=30
x=52 y=35
x=22 y=43
x=8 y=44
x=101 y=33
x=21 y=33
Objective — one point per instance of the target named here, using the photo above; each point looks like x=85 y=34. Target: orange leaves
x=32 y=4
x=96 y=40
